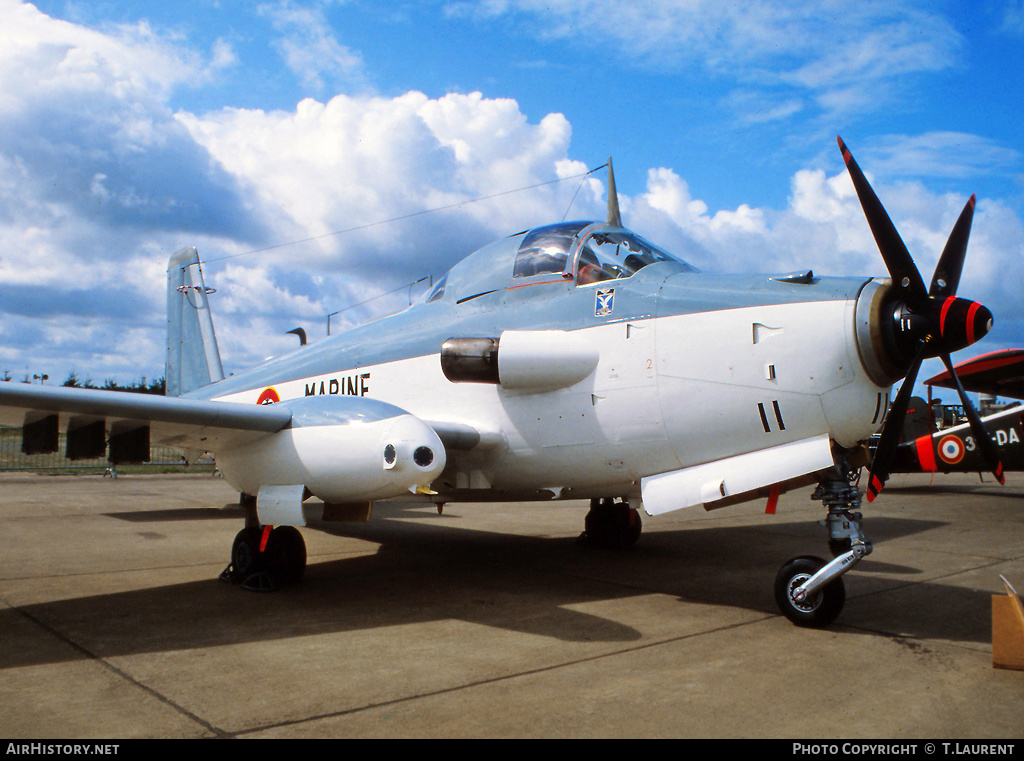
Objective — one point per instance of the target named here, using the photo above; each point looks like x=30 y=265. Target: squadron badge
x=604 y=302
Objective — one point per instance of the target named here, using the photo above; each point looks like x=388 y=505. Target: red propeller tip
x=847 y=156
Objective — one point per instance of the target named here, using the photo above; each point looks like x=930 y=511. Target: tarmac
x=492 y=621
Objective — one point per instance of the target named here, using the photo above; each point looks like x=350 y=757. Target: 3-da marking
x=1001 y=437
x=1007 y=437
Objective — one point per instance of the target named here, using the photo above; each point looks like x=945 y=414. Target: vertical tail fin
x=193 y=359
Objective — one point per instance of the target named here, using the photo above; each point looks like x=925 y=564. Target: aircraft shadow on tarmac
x=228 y=512
x=422 y=573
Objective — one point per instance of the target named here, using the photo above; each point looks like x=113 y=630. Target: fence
x=12 y=458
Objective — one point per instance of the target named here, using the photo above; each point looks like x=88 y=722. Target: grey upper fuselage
x=482 y=297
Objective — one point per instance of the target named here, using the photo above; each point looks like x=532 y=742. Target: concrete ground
x=490 y=621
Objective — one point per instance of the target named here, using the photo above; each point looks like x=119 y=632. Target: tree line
x=142 y=386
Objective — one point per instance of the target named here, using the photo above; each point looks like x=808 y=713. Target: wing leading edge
x=91 y=416
x=1000 y=373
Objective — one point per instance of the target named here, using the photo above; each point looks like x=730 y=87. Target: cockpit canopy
x=580 y=252
x=589 y=252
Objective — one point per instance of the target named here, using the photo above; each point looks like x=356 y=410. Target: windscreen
x=613 y=254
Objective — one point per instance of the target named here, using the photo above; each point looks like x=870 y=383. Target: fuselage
x=690 y=367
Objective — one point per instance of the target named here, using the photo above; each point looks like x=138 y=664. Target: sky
x=297 y=145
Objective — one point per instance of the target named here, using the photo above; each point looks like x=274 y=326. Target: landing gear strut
x=611 y=525
x=264 y=558
x=809 y=591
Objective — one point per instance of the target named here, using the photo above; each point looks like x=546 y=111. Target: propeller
x=925 y=323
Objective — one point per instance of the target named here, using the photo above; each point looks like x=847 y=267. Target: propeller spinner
x=925 y=323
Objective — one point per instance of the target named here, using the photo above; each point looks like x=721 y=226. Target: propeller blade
x=923 y=323
x=904 y=273
x=951 y=263
x=892 y=431
x=985 y=443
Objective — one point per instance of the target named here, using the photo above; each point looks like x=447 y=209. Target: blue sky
x=130 y=129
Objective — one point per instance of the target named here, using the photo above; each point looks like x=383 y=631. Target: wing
x=1000 y=373
x=340 y=449
x=91 y=417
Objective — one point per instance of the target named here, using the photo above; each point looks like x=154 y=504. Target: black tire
x=286 y=555
x=634 y=527
x=820 y=609
x=246 y=558
x=612 y=526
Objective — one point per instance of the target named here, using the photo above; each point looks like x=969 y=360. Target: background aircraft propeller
x=925 y=324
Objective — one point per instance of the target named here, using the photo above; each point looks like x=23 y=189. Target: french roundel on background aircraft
x=956 y=448
x=573 y=361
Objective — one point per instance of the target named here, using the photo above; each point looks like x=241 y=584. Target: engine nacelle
x=875 y=339
x=529 y=360
x=342 y=449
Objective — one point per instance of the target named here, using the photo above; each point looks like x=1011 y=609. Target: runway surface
x=491 y=621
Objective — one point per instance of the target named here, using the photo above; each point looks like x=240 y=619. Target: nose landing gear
x=815 y=610
x=809 y=591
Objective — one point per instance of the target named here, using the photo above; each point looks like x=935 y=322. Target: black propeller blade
x=932 y=323
x=898 y=261
x=985 y=443
x=889 y=441
x=951 y=263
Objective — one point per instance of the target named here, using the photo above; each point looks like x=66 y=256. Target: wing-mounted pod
x=342 y=450
x=520 y=360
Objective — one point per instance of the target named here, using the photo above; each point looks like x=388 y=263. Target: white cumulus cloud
x=100 y=181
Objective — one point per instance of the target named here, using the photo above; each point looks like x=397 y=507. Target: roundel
x=951 y=449
x=269 y=396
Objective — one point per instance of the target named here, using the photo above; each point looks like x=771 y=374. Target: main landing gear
x=611 y=525
x=264 y=558
x=809 y=591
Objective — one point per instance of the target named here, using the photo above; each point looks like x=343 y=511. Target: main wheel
x=286 y=555
x=819 y=609
x=612 y=526
x=246 y=558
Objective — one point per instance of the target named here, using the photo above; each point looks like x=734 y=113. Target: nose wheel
x=816 y=610
x=808 y=590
